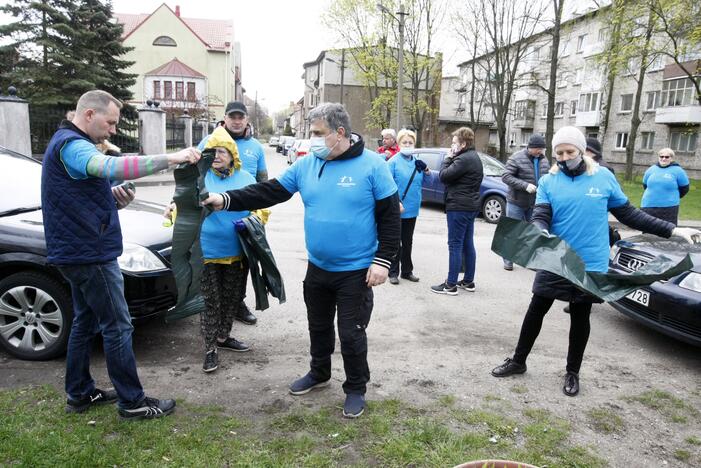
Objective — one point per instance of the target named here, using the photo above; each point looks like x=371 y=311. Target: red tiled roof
x=176 y=68
x=215 y=34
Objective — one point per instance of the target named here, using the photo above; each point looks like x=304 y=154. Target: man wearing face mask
x=352 y=230
x=523 y=171
x=573 y=202
x=252 y=157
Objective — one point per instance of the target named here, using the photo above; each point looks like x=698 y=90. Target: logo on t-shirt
x=594 y=192
x=248 y=152
x=345 y=181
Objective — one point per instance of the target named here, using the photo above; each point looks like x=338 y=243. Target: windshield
x=20 y=182
x=492 y=167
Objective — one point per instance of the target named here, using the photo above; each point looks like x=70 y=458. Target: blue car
x=492 y=191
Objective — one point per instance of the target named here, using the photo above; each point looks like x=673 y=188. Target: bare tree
x=554 y=32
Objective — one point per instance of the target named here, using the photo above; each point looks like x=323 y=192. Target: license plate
x=640 y=296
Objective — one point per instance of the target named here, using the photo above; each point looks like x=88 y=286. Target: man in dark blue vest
x=84 y=239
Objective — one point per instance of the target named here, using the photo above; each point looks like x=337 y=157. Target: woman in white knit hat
x=572 y=202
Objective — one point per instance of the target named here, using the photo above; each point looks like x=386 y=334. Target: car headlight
x=692 y=282
x=614 y=251
x=137 y=259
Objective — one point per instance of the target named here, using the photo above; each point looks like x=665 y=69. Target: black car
x=35 y=300
x=672 y=307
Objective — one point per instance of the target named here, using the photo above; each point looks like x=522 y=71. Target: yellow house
x=184 y=63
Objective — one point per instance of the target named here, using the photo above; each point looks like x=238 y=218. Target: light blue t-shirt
x=75 y=156
x=217 y=235
x=663 y=186
x=580 y=212
x=250 y=152
x=402 y=167
x=339 y=207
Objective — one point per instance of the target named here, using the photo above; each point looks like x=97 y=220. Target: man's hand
x=530 y=188
x=121 y=196
x=168 y=212
x=376 y=275
x=215 y=201
x=188 y=155
x=692 y=236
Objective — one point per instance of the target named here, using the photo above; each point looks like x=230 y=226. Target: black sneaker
x=150 y=408
x=467 y=286
x=393 y=280
x=244 y=315
x=571 y=386
x=510 y=367
x=97 y=397
x=445 y=288
x=232 y=344
x=306 y=384
x=211 y=361
x=354 y=405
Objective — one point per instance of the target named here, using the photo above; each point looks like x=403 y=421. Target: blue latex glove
x=239 y=225
x=420 y=165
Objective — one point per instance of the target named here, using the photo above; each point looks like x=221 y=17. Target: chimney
x=177 y=11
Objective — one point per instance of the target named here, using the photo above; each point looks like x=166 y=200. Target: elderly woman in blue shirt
x=408 y=173
x=665 y=184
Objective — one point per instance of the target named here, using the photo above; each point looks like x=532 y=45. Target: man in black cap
x=252 y=156
x=523 y=170
x=594 y=150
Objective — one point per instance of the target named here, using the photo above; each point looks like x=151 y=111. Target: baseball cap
x=236 y=106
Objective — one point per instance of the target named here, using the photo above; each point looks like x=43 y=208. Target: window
x=164 y=41
x=559 y=109
x=621 y=140
x=647 y=140
x=580 y=43
x=525 y=136
x=594 y=135
x=588 y=102
x=190 y=91
x=491 y=167
x=565 y=49
x=179 y=90
x=525 y=110
x=167 y=90
x=626 y=103
x=545 y=110
x=579 y=73
x=573 y=107
x=493 y=137
x=156 y=89
x=432 y=160
x=683 y=141
x=652 y=101
x=560 y=82
x=656 y=64
x=603 y=34
x=678 y=92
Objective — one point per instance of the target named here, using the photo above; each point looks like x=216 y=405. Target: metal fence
x=175 y=133
x=44 y=121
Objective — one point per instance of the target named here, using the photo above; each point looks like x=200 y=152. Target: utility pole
x=343 y=69
x=400 y=73
x=255 y=107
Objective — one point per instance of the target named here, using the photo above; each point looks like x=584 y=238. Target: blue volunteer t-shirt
x=250 y=152
x=663 y=186
x=217 y=235
x=401 y=169
x=580 y=212
x=75 y=156
x=339 y=207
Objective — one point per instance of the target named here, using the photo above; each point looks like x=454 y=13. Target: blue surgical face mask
x=319 y=149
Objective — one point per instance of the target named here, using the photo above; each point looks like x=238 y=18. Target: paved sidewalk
x=161 y=178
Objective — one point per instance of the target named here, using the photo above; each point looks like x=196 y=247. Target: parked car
x=298 y=150
x=273 y=141
x=672 y=307
x=282 y=142
x=492 y=191
x=287 y=145
x=35 y=300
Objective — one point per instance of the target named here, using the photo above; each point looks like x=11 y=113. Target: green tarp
x=526 y=245
x=186 y=256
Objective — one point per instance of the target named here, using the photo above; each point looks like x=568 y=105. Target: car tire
x=43 y=334
x=493 y=208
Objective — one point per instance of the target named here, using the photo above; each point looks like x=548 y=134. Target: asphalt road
x=421 y=345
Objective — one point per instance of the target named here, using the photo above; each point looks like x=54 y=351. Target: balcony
x=678 y=115
x=588 y=119
x=524 y=121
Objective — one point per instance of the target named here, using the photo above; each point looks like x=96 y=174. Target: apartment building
x=670 y=112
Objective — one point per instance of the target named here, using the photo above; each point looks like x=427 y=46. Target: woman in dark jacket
x=573 y=202
x=461 y=172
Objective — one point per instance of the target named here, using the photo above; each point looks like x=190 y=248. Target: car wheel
x=35 y=316
x=492 y=208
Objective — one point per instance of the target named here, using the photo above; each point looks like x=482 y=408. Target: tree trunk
x=552 y=86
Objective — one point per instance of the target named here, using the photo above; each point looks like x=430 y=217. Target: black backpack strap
x=413 y=174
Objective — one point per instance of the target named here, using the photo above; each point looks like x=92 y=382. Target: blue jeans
x=99 y=306
x=461 y=245
x=516 y=212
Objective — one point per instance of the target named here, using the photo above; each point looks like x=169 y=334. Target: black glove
x=420 y=165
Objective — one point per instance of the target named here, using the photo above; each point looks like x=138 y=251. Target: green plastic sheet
x=526 y=245
x=186 y=256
